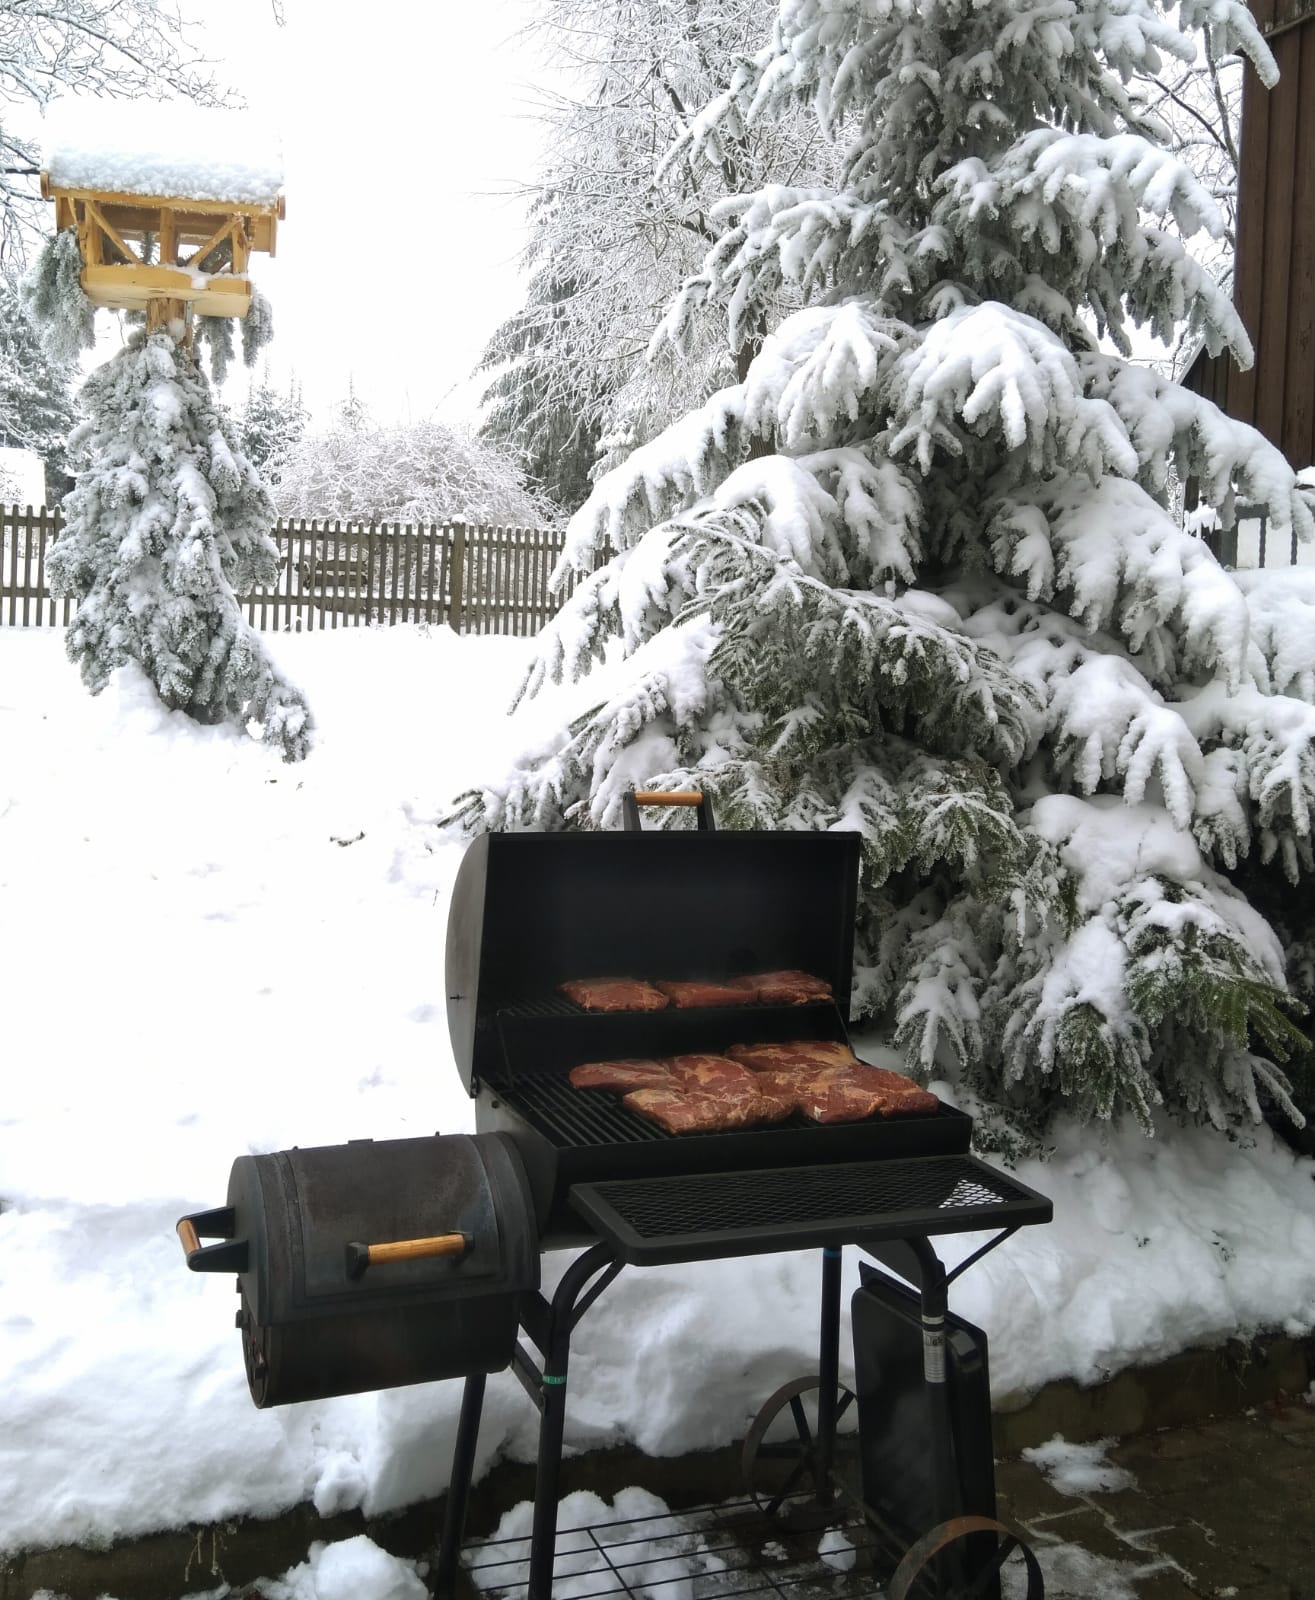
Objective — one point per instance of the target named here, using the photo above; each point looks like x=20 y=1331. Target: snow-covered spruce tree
x=167 y=521
x=915 y=575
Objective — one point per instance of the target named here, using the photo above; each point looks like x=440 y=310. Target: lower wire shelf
x=711 y=1552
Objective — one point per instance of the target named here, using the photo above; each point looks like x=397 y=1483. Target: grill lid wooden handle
x=361 y=1256
x=695 y=799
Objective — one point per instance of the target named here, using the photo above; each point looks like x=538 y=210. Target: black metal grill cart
x=370 y=1265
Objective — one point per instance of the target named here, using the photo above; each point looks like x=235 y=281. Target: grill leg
x=458 y=1491
x=569 y=1304
x=828 y=1372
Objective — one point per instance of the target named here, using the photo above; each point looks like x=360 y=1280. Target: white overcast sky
x=404 y=125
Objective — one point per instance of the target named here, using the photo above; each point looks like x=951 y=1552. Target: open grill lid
x=533 y=910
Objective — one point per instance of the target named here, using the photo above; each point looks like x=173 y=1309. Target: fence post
x=458 y=575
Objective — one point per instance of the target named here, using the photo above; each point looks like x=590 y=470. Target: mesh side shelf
x=649 y=1221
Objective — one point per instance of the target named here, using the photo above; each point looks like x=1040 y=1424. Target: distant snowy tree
x=120 y=48
x=914 y=574
x=36 y=401
x=612 y=237
x=270 y=425
x=404 y=472
x=167 y=521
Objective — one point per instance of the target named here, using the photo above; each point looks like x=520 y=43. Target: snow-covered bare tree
x=167 y=521
x=947 y=607
x=410 y=472
x=36 y=400
x=125 y=49
x=1200 y=105
x=612 y=239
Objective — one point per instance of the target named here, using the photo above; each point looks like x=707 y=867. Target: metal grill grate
x=572 y=1117
x=653 y=1220
x=709 y=1553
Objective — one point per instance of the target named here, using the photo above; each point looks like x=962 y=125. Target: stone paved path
x=1222 y=1510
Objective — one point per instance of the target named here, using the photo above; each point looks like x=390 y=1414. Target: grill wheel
x=780 y=1459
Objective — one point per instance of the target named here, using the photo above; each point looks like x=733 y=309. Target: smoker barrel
x=370 y=1265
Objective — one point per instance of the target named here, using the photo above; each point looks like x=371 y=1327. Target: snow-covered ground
x=205 y=952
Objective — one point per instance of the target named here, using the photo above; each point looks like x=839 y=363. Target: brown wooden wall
x=1274 y=285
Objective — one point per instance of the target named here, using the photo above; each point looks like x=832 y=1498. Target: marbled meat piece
x=907 y=1098
x=788 y=988
x=679 y=1112
x=621 y=1075
x=780 y=1091
x=798 y=1055
x=683 y=995
x=709 y=1074
x=845 y=1093
x=850 y=1093
x=614 y=994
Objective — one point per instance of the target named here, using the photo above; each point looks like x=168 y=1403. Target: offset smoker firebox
x=330 y=1247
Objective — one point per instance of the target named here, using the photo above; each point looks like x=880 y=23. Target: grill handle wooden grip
x=634 y=798
x=361 y=1256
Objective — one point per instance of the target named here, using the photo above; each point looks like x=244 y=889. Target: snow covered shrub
x=167 y=521
x=53 y=293
x=916 y=575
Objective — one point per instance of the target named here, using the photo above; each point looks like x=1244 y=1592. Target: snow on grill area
x=167 y=149
x=206 y=952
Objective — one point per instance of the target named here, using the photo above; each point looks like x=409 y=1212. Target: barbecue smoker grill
x=371 y=1265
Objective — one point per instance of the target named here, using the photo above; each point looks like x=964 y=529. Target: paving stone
x=1292 y=1418
x=1210 y=1564
x=1166 y=1584
x=1086 y=1527
x=1027 y=1493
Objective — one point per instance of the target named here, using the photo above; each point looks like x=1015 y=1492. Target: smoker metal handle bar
x=361 y=1256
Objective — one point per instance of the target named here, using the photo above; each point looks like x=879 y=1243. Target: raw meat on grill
x=614 y=994
x=621 y=1075
x=788 y=988
x=679 y=1112
x=907 y=1098
x=808 y=1055
x=846 y=1093
x=707 y=994
x=709 y=1074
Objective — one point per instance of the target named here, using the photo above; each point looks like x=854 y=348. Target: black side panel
x=895 y=1418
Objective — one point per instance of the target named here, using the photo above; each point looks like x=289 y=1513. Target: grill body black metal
x=531 y=911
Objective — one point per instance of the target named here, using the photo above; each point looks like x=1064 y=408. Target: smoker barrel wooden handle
x=361 y=1256
x=666 y=797
x=229 y=1255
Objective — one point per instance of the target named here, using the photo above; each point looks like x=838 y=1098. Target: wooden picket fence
x=340 y=575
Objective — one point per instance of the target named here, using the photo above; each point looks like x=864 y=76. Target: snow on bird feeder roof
x=170 y=149
x=202 y=186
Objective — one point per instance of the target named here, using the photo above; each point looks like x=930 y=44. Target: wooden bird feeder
x=188 y=234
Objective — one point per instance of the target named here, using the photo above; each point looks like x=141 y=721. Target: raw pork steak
x=621 y=1075
x=614 y=994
